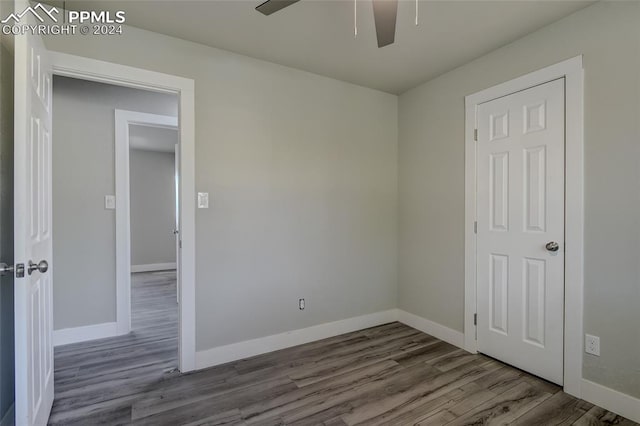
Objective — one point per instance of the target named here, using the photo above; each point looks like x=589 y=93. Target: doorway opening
x=153 y=224
x=115 y=309
x=148 y=241
x=34 y=344
x=92 y=70
x=125 y=179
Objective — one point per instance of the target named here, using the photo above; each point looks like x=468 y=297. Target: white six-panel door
x=33 y=291
x=520 y=212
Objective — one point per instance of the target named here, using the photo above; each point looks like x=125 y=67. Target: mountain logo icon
x=38 y=11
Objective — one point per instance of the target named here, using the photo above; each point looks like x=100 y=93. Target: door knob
x=552 y=246
x=41 y=267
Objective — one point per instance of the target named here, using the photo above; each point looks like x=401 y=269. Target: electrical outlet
x=592 y=344
x=301 y=304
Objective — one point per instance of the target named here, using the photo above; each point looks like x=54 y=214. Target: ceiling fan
x=384 y=14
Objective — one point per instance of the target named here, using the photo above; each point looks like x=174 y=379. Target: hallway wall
x=153 y=207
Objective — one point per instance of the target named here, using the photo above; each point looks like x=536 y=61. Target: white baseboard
x=447 y=334
x=612 y=400
x=249 y=348
x=10 y=417
x=67 y=336
x=153 y=267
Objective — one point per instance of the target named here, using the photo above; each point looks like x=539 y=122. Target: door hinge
x=475 y=319
x=475 y=227
x=475 y=135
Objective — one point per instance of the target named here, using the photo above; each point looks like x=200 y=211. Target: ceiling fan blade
x=271 y=6
x=384 y=14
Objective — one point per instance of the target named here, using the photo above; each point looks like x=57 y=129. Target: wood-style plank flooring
x=386 y=375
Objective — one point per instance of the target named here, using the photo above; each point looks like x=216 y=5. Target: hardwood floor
x=386 y=375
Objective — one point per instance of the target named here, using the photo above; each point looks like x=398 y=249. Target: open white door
x=33 y=245
x=176 y=231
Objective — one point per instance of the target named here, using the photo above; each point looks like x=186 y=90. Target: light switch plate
x=203 y=200
x=109 y=202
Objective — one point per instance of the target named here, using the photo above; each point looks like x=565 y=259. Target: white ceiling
x=148 y=138
x=317 y=35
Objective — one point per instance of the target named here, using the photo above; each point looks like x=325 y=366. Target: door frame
x=572 y=71
x=123 y=119
x=121 y=75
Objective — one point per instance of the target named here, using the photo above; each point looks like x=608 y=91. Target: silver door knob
x=42 y=267
x=552 y=246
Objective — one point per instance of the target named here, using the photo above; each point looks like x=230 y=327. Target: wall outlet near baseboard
x=592 y=344
x=301 y=304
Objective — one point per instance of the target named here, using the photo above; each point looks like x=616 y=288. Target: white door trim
x=123 y=119
x=572 y=71
x=121 y=75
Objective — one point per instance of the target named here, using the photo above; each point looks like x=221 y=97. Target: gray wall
x=431 y=180
x=302 y=175
x=6 y=219
x=83 y=173
x=153 y=206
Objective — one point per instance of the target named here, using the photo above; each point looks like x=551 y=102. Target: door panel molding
x=572 y=71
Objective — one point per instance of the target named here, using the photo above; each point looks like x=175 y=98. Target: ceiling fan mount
x=385 y=13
